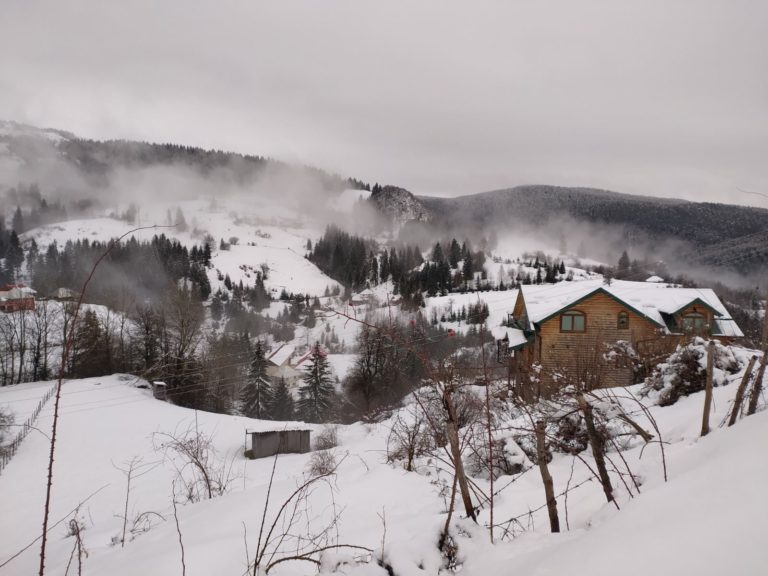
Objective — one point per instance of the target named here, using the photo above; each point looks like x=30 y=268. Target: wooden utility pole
x=708 y=390
x=757 y=386
x=740 y=392
x=546 y=477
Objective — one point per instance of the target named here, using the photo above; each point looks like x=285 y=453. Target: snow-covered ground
x=707 y=520
x=262 y=238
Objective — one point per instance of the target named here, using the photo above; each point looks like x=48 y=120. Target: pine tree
x=468 y=269
x=384 y=274
x=14 y=254
x=92 y=354
x=17 y=223
x=623 y=266
x=281 y=407
x=437 y=254
x=317 y=392
x=454 y=254
x=257 y=392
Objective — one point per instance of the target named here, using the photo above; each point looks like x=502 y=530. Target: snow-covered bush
x=327 y=437
x=508 y=457
x=322 y=463
x=685 y=372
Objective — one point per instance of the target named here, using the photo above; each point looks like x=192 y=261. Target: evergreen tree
x=257 y=392
x=207 y=254
x=468 y=269
x=384 y=273
x=454 y=254
x=622 y=270
x=17 y=224
x=14 y=254
x=317 y=392
x=437 y=254
x=92 y=356
x=281 y=407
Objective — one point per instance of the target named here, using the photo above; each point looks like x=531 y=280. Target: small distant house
x=362 y=298
x=281 y=367
x=589 y=334
x=160 y=390
x=271 y=442
x=64 y=295
x=16 y=297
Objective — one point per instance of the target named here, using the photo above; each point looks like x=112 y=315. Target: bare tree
x=133 y=469
x=201 y=473
x=280 y=537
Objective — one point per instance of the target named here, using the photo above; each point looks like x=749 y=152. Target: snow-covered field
x=708 y=519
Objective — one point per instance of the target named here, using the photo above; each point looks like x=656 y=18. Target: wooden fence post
x=708 y=390
x=546 y=477
x=757 y=386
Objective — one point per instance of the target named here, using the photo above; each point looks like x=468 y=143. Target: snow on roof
x=282 y=354
x=654 y=279
x=650 y=299
x=516 y=337
x=16 y=292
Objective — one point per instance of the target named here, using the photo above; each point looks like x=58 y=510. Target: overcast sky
x=664 y=98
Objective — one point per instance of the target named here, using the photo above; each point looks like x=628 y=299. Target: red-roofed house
x=16 y=297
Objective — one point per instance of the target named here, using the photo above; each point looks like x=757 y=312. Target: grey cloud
x=649 y=97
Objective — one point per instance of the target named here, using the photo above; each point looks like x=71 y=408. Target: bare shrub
x=409 y=438
x=322 y=463
x=327 y=438
x=201 y=473
x=75 y=528
x=281 y=537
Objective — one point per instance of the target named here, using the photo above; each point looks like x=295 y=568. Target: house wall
x=17 y=304
x=573 y=357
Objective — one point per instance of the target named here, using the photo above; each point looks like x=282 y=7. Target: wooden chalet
x=591 y=334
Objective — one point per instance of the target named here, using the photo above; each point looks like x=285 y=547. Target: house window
x=573 y=321
x=622 y=321
x=694 y=322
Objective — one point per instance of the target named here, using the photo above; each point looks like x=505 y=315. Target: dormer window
x=694 y=322
x=573 y=321
x=622 y=321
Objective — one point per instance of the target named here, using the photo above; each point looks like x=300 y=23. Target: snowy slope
x=708 y=519
x=263 y=237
